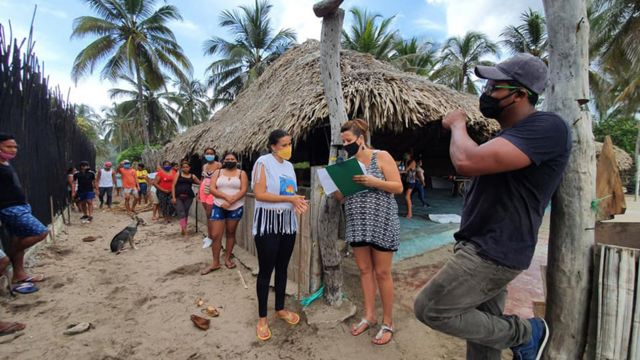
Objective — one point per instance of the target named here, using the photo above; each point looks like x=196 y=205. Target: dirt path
x=140 y=302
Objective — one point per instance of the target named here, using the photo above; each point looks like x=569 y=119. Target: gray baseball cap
x=525 y=69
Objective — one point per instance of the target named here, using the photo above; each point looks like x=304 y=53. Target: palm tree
x=134 y=37
x=162 y=126
x=413 y=56
x=118 y=128
x=244 y=59
x=89 y=123
x=528 y=37
x=458 y=58
x=371 y=34
x=190 y=103
x=616 y=25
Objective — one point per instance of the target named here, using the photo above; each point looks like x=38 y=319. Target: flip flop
x=362 y=323
x=211 y=311
x=266 y=337
x=31 y=279
x=13 y=328
x=209 y=269
x=200 y=322
x=291 y=318
x=233 y=265
x=24 y=288
x=383 y=330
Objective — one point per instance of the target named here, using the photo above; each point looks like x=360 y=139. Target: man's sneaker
x=89 y=218
x=533 y=349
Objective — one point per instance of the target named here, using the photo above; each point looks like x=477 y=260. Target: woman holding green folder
x=372 y=226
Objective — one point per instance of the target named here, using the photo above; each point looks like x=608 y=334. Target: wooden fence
x=44 y=126
x=614 y=333
x=304 y=265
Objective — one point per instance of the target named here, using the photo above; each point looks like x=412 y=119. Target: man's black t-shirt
x=85 y=180
x=11 y=193
x=503 y=212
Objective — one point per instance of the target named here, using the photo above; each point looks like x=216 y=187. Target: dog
x=127 y=234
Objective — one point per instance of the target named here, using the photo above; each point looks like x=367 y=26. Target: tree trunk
x=143 y=118
x=330 y=209
x=572 y=221
x=637 y=160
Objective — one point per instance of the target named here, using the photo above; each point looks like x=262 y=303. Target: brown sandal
x=200 y=322
x=12 y=328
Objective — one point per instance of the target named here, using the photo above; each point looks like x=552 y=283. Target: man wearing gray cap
x=514 y=176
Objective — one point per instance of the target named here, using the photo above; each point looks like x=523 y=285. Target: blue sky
x=433 y=20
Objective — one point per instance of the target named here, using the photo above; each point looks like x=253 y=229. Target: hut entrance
x=421 y=233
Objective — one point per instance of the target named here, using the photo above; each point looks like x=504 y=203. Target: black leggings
x=274 y=252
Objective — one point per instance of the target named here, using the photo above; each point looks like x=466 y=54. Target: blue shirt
x=503 y=212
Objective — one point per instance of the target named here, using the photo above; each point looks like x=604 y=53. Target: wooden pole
x=197 y=211
x=327 y=226
x=301 y=231
x=53 y=220
x=572 y=221
x=637 y=159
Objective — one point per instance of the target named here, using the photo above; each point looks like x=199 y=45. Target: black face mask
x=230 y=164
x=351 y=149
x=490 y=106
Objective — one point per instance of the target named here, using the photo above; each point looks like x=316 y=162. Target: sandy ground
x=140 y=302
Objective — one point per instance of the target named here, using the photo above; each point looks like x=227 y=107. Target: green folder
x=342 y=175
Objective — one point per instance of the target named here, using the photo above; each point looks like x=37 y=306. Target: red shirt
x=165 y=180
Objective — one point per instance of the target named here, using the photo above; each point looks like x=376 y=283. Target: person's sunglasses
x=490 y=87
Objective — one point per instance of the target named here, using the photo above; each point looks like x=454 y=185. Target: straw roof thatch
x=624 y=160
x=289 y=96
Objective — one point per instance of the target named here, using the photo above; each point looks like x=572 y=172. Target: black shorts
x=377 y=247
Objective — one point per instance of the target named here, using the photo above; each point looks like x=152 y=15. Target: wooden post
x=637 y=160
x=329 y=214
x=572 y=221
x=53 y=220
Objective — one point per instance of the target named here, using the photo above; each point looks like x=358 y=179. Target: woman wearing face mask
x=163 y=184
x=229 y=185
x=372 y=226
x=275 y=225
x=182 y=194
x=204 y=193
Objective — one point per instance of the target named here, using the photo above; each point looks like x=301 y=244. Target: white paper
x=364 y=168
x=445 y=218
x=327 y=183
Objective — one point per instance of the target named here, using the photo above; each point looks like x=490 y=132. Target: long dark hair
x=275 y=136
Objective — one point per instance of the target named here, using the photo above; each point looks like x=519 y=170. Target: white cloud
x=186 y=27
x=90 y=90
x=487 y=16
x=297 y=15
x=426 y=24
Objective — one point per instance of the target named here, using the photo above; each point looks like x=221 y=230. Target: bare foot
x=209 y=269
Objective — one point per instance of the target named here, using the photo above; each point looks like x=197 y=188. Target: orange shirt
x=128 y=178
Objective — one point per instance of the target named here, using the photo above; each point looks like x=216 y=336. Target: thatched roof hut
x=289 y=95
x=402 y=109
